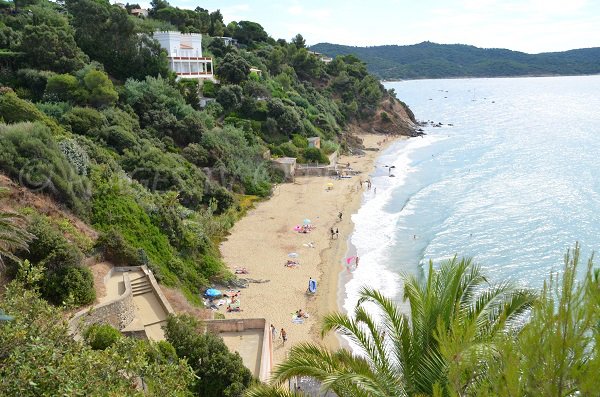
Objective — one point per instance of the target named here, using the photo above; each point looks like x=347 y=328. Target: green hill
x=431 y=60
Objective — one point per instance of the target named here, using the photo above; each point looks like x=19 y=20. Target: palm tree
x=401 y=355
x=13 y=236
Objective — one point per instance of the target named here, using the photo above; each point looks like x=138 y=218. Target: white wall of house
x=185 y=54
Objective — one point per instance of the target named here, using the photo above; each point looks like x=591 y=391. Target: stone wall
x=240 y=325
x=119 y=312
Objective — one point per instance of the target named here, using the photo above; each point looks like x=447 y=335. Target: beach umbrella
x=298 y=228
x=293 y=255
x=350 y=259
x=307 y=221
x=212 y=293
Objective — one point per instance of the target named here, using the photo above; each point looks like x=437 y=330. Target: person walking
x=273 y=333
x=283 y=335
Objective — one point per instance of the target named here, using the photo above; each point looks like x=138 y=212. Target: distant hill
x=431 y=60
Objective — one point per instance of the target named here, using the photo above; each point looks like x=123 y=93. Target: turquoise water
x=513 y=183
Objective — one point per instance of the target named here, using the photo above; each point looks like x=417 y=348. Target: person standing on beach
x=340 y=216
x=273 y=333
x=283 y=336
x=356 y=261
x=332 y=232
x=337 y=233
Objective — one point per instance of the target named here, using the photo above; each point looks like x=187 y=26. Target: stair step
x=139 y=287
x=142 y=291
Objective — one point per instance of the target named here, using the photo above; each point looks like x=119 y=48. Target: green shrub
x=218 y=371
x=35 y=81
x=65 y=88
x=385 y=117
x=118 y=138
x=315 y=155
x=84 y=121
x=101 y=90
x=289 y=149
x=114 y=207
x=162 y=171
x=196 y=154
x=70 y=284
x=300 y=141
x=116 y=249
x=209 y=89
x=64 y=278
x=329 y=147
x=101 y=336
x=54 y=109
x=15 y=110
x=31 y=155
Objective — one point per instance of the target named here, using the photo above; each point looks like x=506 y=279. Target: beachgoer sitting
x=301 y=314
x=291 y=263
x=241 y=270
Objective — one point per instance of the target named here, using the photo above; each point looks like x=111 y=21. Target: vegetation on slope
x=431 y=60
x=91 y=116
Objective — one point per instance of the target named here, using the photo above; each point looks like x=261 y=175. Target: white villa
x=185 y=55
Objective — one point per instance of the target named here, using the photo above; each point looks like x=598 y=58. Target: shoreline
x=262 y=240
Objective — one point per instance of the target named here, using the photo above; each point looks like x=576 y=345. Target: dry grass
x=182 y=306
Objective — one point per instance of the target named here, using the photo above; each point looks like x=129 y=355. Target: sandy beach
x=262 y=240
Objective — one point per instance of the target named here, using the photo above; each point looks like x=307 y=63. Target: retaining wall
x=118 y=312
x=240 y=325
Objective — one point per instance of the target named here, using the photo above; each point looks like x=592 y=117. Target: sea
x=509 y=177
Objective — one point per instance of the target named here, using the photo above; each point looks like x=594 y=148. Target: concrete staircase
x=141 y=286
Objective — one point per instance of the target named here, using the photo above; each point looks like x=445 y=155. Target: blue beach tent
x=312 y=286
x=212 y=293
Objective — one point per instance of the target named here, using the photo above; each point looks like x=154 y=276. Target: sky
x=530 y=26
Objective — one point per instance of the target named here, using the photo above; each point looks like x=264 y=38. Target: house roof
x=186 y=47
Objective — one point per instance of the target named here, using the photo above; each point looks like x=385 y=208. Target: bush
x=289 y=149
x=161 y=171
x=100 y=88
x=329 y=147
x=35 y=81
x=119 y=138
x=101 y=336
x=116 y=249
x=71 y=284
x=15 y=110
x=209 y=89
x=114 y=207
x=315 y=155
x=84 y=121
x=31 y=154
x=54 y=109
x=300 y=141
x=218 y=371
x=65 y=88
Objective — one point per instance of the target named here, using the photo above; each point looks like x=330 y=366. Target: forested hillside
x=431 y=60
x=92 y=118
x=106 y=156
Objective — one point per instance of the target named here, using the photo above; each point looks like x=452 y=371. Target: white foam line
x=374 y=227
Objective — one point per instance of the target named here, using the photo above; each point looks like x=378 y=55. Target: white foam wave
x=373 y=234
